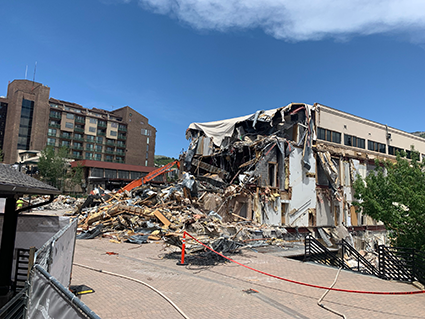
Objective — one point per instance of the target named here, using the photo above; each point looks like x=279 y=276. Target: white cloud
x=297 y=20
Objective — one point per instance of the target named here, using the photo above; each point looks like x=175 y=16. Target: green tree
x=53 y=166
x=75 y=176
x=394 y=193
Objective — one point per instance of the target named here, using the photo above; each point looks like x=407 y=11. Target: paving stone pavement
x=222 y=291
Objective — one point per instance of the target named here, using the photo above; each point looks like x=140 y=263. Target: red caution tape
x=311 y=285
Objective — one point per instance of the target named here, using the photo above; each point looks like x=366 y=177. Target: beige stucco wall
x=345 y=123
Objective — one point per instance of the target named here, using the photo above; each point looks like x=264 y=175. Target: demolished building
x=292 y=166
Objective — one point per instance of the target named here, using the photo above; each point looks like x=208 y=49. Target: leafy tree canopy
x=394 y=193
x=54 y=168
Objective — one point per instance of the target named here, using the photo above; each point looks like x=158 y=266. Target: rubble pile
x=62 y=202
x=152 y=213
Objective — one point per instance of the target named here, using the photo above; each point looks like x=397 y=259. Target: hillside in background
x=161 y=160
x=420 y=134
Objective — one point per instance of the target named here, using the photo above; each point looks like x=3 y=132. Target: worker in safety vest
x=19 y=203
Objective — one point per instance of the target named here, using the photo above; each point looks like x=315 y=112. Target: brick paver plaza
x=221 y=291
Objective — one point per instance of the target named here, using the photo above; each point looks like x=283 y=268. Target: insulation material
x=330 y=168
x=303 y=189
x=218 y=130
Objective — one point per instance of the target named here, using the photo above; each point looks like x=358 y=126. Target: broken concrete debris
x=153 y=213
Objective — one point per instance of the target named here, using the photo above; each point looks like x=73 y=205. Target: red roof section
x=109 y=165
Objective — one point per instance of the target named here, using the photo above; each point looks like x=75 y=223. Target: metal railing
x=363 y=265
x=16 y=306
x=316 y=252
x=399 y=263
x=395 y=263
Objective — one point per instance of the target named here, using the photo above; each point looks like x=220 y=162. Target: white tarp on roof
x=218 y=130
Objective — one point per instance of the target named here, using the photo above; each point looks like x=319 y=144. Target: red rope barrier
x=303 y=283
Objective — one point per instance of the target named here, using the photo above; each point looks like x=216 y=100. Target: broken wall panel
x=272 y=212
x=324 y=208
x=303 y=185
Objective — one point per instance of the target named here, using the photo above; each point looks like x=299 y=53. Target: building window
x=410 y=154
x=147 y=140
x=123 y=174
x=70 y=116
x=114 y=125
x=51 y=132
x=78 y=145
x=69 y=125
x=376 y=147
x=135 y=175
x=99 y=139
x=147 y=155
x=92 y=129
x=90 y=147
x=89 y=155
x=394 y=150
x=90 y=138
x=65 y=143
x=54 y=105
x=98 y=157
x=147 y=148
x=98 y=148
x=109 y=158
x=25 y=125
x=96 y=172
x=51 y=141
x=272 y=174
x=113 y=133
x=93 y=121
x=66 y=135
x=351 y=140
x=328 y=135
x=146 y=163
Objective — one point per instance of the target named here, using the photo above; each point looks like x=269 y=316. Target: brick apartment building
x=112 y=145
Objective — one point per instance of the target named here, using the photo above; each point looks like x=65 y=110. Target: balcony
x=122 y=128
x=54 y=125
x=77 y=147
x=119 y=161
x=51 y=143
x=77 y=156
x=101 y=124
x=79 y=129
x=109 y=160
x=51 y=134
x=68 y=137
x=110 y=143
x=78 y=139
x=101 y=133
x=119 y=152
x=55 y=115
x=122 y=137
x=90 y=140
x=109 y=152
x=80 y=120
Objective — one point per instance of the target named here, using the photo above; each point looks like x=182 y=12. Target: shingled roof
x=13 y=182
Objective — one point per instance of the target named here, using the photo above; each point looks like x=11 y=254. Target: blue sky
x=183 y=61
